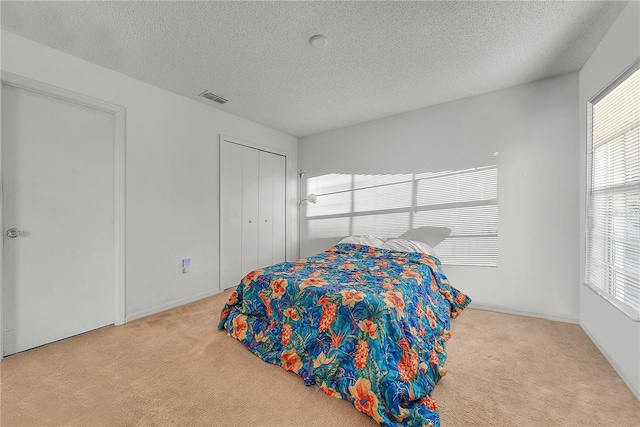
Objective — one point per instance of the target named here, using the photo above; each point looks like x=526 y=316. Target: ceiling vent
x=214 y=97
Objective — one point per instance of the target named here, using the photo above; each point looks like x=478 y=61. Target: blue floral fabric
x=368 y=325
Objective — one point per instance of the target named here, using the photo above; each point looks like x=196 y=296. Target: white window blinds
x=613 y=213
x=463 y=202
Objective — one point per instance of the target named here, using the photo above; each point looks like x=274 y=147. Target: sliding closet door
x=231 y=172
x=279 y=208
x=250 y=208
x=265 y=202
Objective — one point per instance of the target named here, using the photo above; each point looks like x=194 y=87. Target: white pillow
x=404 y=245
x=364 y=240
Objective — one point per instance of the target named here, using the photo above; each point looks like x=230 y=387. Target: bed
x=364 y=323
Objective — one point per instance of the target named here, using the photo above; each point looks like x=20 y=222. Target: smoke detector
x=213 y=97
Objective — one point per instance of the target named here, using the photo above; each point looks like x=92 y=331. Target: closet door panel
x=279 y=207
x=250 y=213
x=230 y=214
x=265 y=202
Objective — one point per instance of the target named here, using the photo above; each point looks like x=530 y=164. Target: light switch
x=186 y=265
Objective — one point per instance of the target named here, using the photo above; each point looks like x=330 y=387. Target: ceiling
x=383 y=58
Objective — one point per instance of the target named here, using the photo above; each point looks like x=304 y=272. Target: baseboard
x=169 y=305
x=507 y=310
x=613 y=364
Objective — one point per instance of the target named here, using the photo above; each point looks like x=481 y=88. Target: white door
x=250 y=190
x=279 y=207
x=265 y=207
x=59 y=193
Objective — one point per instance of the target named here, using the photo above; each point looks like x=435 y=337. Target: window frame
x=632 y=312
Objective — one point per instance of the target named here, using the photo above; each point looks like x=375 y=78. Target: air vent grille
x=214 y=97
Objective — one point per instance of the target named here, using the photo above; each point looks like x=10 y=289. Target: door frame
x=119 y=114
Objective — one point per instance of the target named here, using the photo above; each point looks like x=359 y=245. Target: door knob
x=13 y=233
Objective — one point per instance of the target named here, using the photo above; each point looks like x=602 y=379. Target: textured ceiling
x=383 y=58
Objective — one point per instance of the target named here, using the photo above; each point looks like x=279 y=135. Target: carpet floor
x=176 y=369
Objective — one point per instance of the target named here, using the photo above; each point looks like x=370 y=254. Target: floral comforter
x=367 y=325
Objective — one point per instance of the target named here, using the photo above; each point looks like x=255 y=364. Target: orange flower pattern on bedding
x=292 y=313
x=240 y=327
x=329 y=311
x=350 y=297
x=330 y=391
x=287 y=330
x=368 y=325
x=364 y=399
x=291 y=361
x=408 y=365
x=312 y=281
x=394 y=299
x=362 y=354
x=278 y=288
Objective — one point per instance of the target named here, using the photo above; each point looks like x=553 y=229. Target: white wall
x=616 y=334
x=534 y=128
x=172 y=173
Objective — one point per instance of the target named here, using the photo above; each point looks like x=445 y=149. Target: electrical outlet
x=186 y=265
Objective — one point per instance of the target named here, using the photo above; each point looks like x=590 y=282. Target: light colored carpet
x=176 y=369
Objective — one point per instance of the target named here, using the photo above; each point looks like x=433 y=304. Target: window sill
x=630 y=312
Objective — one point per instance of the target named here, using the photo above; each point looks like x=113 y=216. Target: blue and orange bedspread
x=367 y=325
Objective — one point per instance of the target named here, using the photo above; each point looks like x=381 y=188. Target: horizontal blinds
x=613 y=228
x=465 y=202
x=617 y=112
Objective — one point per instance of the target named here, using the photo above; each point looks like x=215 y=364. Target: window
x=613 y=191
x=458 y=209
